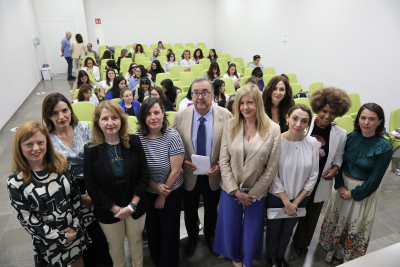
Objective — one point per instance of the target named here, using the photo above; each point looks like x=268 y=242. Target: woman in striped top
x=164 y=152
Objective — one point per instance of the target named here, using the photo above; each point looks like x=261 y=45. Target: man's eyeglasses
x=203 y=94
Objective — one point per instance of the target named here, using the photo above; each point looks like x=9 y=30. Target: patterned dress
x=45 y=206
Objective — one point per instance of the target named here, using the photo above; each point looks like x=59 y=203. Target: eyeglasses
x=203 y=94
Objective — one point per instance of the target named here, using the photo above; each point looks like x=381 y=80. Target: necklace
x=116 y=153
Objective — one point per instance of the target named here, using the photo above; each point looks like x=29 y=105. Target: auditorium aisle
x=16 y=245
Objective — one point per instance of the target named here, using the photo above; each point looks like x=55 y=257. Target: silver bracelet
x=130 y=208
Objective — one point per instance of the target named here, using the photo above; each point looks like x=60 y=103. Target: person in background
x=69 y=137
x=157 y=92
x=155 y=55
x=67 y=54
x=197 y=55
x=232 y=73
x=83 y=78
x=111 y=64
x=186 y=62
x=164 y=152
x=160 y=48
x=212 y=56
x=170 y=90
x=131 y=72
x=219 y=97
x=294 y=181
x=116 y=178
x=115 y=92
x=155 y=69
x=132 y=50
x=110 y=76
x=40 y=186
x=258 y=74
x=112 y=51
x=286 y=77
x=253 y=80
x=85 y=94
x=250 y=150
x=144 y=89
x=200 y=127
x=213 y=72
x=169 y=62
x=186 y=101
x=124 y=54
x=256 y=63
x=129 y=106
x=278 y=99
x=90 y=50
x=78 y=52
x=140 y=73
x=106 y=55
x=169 y=50
x=349 y=218
x=138 y=50
x=90 y=66
x=230 y=104
x=328 y=103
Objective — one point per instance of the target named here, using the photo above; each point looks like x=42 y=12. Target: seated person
x=155 y=55
x=131 y=72
x=115 y=91
x=90 y=65
x=111 y=64
x=144 y=89
x=252 y=80
x=83 y=78
x=187 y=100
x=212 y=56
x=85 y=94
x=110 y=76
x=230 y=104
x=124 y=54
x=169 y=62
x=186 y=62
x=232 y=73
x=157 y=92
x=89 y=49
x=213 y=72
x=140 y=73
x=257 y=72
x=219 y=97
x=197 y=55
x=256 y=63
x=129 y=106
x=155 y=69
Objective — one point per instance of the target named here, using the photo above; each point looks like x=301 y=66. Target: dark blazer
x=100 y=180
x=282 y=120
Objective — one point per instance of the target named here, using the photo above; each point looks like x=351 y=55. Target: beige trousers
x=115 y=234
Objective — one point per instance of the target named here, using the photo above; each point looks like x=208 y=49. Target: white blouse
x=234 y=79
x=298 y=167
x=96 y=72
x=184 y=103
x=104 y=84
x=127 y=77
x=92 y=99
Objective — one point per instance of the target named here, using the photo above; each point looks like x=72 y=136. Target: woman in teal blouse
x=349 y=218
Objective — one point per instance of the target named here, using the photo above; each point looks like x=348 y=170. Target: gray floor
x=15 y=242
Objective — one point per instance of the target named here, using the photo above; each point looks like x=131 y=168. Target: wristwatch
x=336 y=168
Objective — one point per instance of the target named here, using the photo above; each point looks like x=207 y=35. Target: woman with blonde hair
x=116 y=178
x=39 y=176
x=124 y=54
x=78 y=52
x=250 y=150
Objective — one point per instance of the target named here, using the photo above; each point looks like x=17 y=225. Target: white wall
x=130 y=21
x=353 y=45
x=19 y=24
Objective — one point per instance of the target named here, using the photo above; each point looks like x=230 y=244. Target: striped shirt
x=158 y=152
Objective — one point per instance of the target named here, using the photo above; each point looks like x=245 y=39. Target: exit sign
x=98 y=21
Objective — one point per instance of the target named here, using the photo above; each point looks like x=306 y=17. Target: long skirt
x=347 y=225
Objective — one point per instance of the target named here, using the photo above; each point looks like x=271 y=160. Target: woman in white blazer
x=328 y=103
x=249 y=156
x=78 y=52
x=90 y=66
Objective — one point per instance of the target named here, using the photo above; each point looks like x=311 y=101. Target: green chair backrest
x=303 y=100
x=125 y=59
x=178 y=52
x=346 y=123
x=141 y=60
x=103 y=47
x=394 y=121
x=206 y=52
x=178 y=84
x=171 y=116
x=227 y=56
x=124 y=68
x=144 y=46
x=248 y=64
x=91 y=77
x=147 y=63
x=201 y=44
x=116 y=100
x=292 y=78
x=117 y=54
x=186 y=78
x=190 y=45
x=178 y=99
x=239 y=68
x=145 y=98
x=222 y=69
x=161 y=77
x=132 y=122
x=248 y=71
x=218 y=53
x=117 y=47
x=162 y=59
x=205 y=62
x=137 y=56
x=178 y=45
x=167 y=46
x=229 y=86
x=296 y=88
x=239 y=59
x=243 y=80
x=153 y=46
x=108 y=89
x=197 y=70
x=267 y=78
x=91 y=55
x=355 y=105
x=90 y=123
x=314 y=87
x=83 y=110
x=269 y=70
x=128 y=47
x=176 y=71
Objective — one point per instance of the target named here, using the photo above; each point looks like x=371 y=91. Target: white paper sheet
x=277 y=213
x=202 y=163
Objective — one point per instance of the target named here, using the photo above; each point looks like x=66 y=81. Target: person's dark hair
x=83 y=89
x=141 y=48
x=210 y=72
x=145 y=81
x=79 y=38
x=188 y=51
x=230 y=102
x=116 y=92
x=131 y=67
x=284 y=75
x=189 y=93
x=89 y=44
x=143 y=70
x=229 y=67
x=158 y=69
x=159 y=42
x=106 y=55
x=257 y=72
x=215 y=53
x=286 y=103
x=111 y=63
x=256 y=57
x=169 y=50
x=48 y=106
x=142 y=114
x=379 y=112
x=336 y=98
x=303 y=108
x=253 y=80
x=81 y=74
x=108 y=81
x=169 y=55
x=171 y=89
x=87 y=60
x=217 y=87
x=201 y=54
x=160 y=92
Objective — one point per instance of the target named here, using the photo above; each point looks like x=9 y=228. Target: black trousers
x=163 y=229
x=279 y=231
x=191 y=205
x=97 y=252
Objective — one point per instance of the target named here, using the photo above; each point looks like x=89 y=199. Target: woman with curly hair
x=328 y=103
x=278 y=99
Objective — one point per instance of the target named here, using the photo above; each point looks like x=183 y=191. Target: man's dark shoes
x=190 y=247
x=298 y=250
x=273 y=262
x=70 y=78
x=210 y=245
x=283 y=262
